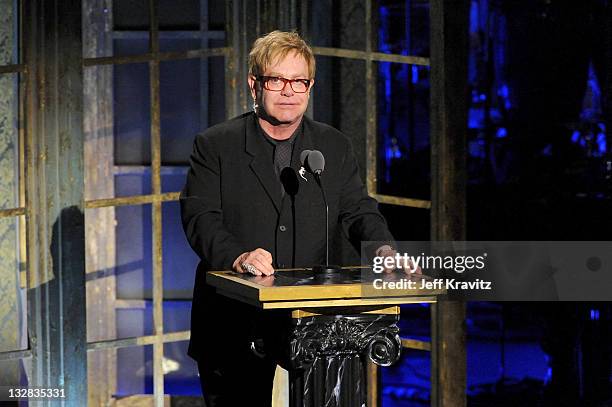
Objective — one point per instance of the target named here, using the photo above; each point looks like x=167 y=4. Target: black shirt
x=282 y=149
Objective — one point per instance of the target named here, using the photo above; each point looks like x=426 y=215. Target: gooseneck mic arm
x=314 y=162
x=291 y=186
x=317 y=177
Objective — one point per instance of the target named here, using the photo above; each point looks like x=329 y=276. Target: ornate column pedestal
x=329 y=353
x=333 y=333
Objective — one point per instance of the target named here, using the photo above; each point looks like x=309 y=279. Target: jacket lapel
x=261 y=164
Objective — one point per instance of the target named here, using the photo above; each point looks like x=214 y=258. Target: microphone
x=314 y=162
x=304 y=156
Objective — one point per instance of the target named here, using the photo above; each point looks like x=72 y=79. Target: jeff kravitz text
x=436 y=284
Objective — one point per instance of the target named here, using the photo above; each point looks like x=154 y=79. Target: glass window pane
x=134 y=319
x=177 y=315
x=131 y=15
x=173 y=178
x=132 y=180
x=339 y=99
x=404 y=27
x=181 y=372
x=130 y=43
x=132 y=114
x=123 y=374
x=216 y=15
x=190 y=40
x=182 y=87
x=403 y=130
x=192 y=99
x=216 y=87
x=134 y=371
x=179 y=260
x=338 y=24
x=179 y=15
x=134 y=264
x=175 y=41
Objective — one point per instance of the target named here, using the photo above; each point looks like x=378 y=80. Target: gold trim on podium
x=263 y=294
x=300 y=313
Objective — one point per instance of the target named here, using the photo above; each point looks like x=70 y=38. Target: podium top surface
x=302 y=288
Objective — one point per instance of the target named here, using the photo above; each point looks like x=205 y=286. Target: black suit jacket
x=232 y=203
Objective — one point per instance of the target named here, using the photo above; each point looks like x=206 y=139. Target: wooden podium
x=336 y=326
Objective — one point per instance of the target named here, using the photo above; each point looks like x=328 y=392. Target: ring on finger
x=249 y=268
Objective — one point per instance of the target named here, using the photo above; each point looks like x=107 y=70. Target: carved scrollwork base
x=384 y=349
x=374 y=336
x=328 y=356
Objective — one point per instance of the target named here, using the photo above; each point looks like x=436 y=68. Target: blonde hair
x=275 y=46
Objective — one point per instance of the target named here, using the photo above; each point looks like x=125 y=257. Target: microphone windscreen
x=290 y=181
x=316 y=161
x=304 y=156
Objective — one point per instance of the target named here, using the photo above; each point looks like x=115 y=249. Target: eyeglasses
x=276 y=84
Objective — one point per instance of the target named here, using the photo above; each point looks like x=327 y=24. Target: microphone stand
x=292 y=197
x=327 y=268
x=291 y=186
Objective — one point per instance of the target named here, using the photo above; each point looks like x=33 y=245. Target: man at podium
x=250 y=204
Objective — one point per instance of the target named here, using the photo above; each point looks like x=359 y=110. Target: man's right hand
x=257 y=262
